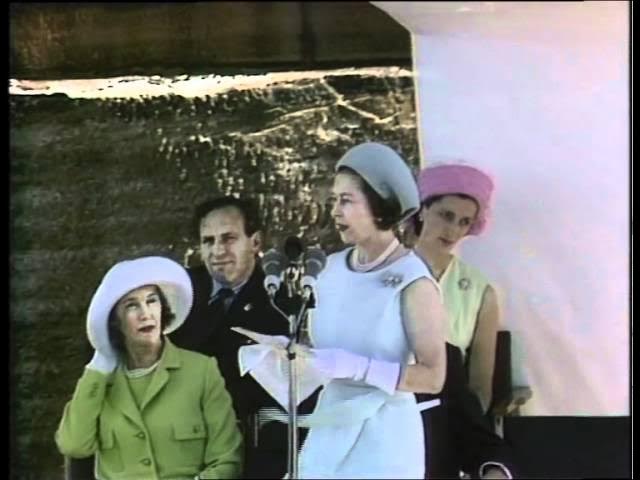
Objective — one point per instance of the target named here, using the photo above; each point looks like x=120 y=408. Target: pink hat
x=450 y=179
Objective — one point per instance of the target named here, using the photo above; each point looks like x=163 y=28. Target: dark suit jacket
x=207 y=330
x=459 y=435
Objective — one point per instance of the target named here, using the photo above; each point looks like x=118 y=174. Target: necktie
x=224 y=296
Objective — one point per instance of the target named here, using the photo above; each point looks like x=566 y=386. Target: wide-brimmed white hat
x=128 y=275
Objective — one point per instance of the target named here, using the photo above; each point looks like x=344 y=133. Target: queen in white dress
x=377 y=330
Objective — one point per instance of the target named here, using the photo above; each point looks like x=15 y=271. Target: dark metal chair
x=79 y=468
x=507 y=398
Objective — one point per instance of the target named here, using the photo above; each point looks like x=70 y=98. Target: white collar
x=140 y=372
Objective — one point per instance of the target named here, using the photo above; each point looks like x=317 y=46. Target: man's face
x=225 y=248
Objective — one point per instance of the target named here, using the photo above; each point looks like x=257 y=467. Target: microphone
x=273 y=264
x=293 y=249
x=314 y=261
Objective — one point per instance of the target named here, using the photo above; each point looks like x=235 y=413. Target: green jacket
x=185 y=427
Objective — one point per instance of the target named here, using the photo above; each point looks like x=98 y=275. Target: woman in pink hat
x=456 y=201
x=144 y=407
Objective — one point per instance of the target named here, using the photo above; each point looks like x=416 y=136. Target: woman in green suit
x=146 y=408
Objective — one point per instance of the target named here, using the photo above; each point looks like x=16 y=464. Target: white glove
x=267 y=363
x=339 y=363
x=103 y=363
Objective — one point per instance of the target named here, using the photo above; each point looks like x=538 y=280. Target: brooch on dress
x=392 y=279
x=464 y=283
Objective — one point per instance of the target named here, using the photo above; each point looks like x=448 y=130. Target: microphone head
x=274 y=262
x=314 y=261
x=293 y=248
x=308 y=281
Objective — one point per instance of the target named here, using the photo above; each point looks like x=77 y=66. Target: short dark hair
x=427 y=202
x=387 y=213
x=246 y=207
x=116 y=337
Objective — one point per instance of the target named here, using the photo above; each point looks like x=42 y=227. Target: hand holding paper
x=267 y=363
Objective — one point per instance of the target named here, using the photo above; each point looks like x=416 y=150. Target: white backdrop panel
x=540 y=98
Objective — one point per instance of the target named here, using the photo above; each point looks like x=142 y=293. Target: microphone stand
x=292 y=425
x=293 y=302
x=292 y=460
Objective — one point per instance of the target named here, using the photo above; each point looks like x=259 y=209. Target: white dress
x=359 y=431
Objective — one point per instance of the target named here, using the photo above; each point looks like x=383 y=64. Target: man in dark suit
x=229 y=292
x=459 y=435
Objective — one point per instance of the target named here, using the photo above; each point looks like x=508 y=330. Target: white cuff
x=383 y=375
x=485 y=465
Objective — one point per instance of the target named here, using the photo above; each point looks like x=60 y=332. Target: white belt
x=428 y=404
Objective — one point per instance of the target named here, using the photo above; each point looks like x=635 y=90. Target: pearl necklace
x=365 y=267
